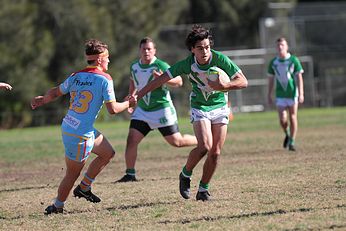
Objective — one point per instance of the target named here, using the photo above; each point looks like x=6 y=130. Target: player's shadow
x=253 y=214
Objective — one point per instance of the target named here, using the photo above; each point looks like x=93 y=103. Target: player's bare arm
x=270 y=89
x=153 y=85
x=117 y=107
x=50 y=95
x=5 y=86
x=174 y=82
x=238 y=82
x=300 y=88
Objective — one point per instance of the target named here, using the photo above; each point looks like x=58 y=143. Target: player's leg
x=202 y=129
x=137 y=131
x=293 y=111
x=219 y=132
x=105 y=152
x=203 y=133
x=77 y=150
x=283 y=118
x=175 y=138
x=73 y=169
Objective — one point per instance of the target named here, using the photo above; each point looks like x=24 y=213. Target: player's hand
x=217 y=85
x=132 y=101
x=301 y=99
x=130 y=110
x=36 y=102
x=5 y=86
x=157 y=74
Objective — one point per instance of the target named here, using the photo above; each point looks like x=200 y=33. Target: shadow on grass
x=142 y=205
x=26 y=188
x=124 y=207
x=99 y=183
x=249 y=215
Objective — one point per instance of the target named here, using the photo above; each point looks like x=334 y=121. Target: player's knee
x=131 y=140
x=204 y=148
x=109 y=156
x=214 y=156
x=178 y=143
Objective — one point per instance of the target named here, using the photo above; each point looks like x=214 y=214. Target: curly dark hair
x=197 y=33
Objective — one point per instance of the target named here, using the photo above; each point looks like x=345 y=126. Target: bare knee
x=111 y=155
x=107 y=157
x=178 y=143
x=214 y=157
x=203 y=149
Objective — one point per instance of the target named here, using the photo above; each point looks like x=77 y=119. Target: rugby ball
x=215 y=73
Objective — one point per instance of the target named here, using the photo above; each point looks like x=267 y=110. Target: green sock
x=291 y=142
x=131 y=171
x=203 y=187
x=186 y=173
x=287 y=132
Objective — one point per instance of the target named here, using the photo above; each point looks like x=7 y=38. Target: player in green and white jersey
x=287 y=72
x=155 y=110
x=209 y=108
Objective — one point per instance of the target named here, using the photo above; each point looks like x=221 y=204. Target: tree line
x=42 y=42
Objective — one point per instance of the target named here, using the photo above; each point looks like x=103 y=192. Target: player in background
x=287 y=72
x=88 y=89
x=5 y=86
x=155 y=110
x=209 y=109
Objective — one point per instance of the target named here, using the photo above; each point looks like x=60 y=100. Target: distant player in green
x=209 y=105
x=287 y=72
x=154 y=111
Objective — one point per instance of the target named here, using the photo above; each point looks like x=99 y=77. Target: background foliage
x=41 y=42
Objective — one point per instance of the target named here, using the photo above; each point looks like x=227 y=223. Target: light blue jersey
x=89 y=89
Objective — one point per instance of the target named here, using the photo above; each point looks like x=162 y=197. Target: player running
x=88 y=89
x=209 y=109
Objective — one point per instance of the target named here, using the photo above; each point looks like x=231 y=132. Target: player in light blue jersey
x=88 y=89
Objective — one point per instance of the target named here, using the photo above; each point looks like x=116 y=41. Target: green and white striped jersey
x=142 y=74
x=201 y=96
x=285 y=71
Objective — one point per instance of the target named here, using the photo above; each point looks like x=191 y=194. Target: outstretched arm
x=153 y=85
x=5 y=86
x=174 y=82
x=117 y=107
x=50 y=95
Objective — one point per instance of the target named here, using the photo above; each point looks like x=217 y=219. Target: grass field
x=257 y=186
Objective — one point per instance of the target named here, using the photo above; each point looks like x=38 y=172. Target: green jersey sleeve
x=270 y=68
x=181 y=67
x=222 y=61
x=297 y=65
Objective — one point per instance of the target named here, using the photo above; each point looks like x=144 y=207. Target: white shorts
x=286 y=102
x=156 y=119
x=216 y=116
